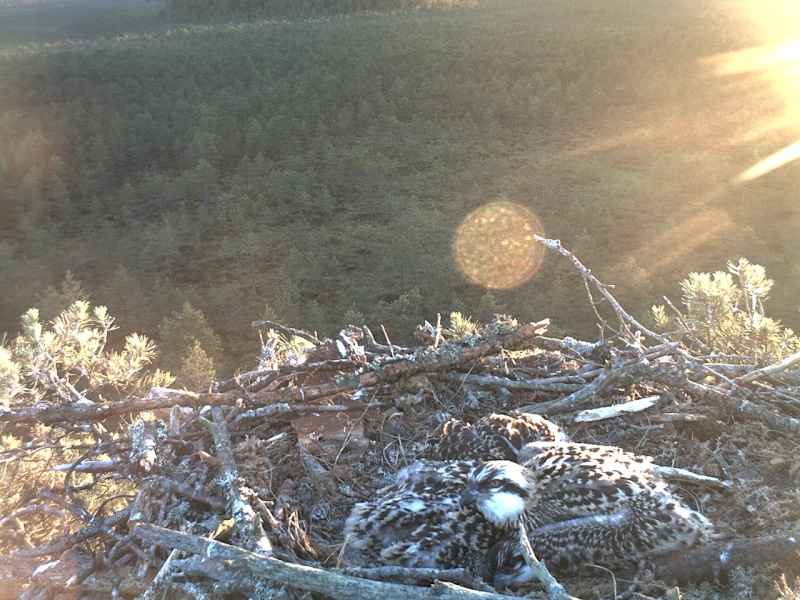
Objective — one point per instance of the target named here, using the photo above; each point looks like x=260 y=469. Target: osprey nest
x=632 y=467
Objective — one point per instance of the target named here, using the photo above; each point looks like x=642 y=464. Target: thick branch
x=610 y=412
x=769 y=369
x=246 y=519
x=50 y=414
x=715 y=561
x=543 y=384
x=332 y=584
x=441 y=359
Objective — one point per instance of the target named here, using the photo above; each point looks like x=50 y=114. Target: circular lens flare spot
x=494 y=245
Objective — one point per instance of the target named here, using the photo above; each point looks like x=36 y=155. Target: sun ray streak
x=773 y=161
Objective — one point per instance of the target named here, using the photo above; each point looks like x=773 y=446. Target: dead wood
x=554 y=588
x=716 y=561
x=611 y=377
x=71 y=571
x=426 y=361
x=245 y=518
x=330 y=583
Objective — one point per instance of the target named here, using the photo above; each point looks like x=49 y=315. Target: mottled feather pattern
x=648 y=526
x=586 y=504
x=432 y=478
x=419 y=522
x=494 y=437
x=584 y=479
x=581 y=504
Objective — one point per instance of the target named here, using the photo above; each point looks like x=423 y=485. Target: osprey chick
x=494 y=437
x=581 y=504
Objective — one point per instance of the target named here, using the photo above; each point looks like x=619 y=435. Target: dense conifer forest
x=197 y=173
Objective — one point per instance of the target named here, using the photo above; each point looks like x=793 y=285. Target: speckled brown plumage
x=418 y=521
x=494 y=437
x=581 y=504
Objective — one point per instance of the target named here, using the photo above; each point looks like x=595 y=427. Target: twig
x=769 y=369
x=609 y=412
x=554 y=588
x=160 y=585
x=511 y=384
x=677 y=474
x=289 y=332
x=623 y=316
x=744 y=406
x=388 y=341
x=446 y=357
x=610 y=377
x=91 y=466
x=95 y=528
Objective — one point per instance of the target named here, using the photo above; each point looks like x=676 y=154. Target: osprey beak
x=468 y=496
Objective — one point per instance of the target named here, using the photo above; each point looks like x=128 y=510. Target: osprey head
x=501 y=490
x=508 y=565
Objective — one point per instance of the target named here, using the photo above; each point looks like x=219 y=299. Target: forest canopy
x=316 y=171
x=303 y=8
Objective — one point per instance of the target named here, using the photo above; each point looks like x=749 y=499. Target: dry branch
x=610 y=377
x=555 y=590
x=625 y=319
x=715 y=561
x=157 y=398
x=288 y=332
x=676 y=474
x=542 y=384
x=246 y=519
x=419 y=575
x=610 y=412
x=71 y=572
x=782 y=365
x=446 y=357
x=330 y=583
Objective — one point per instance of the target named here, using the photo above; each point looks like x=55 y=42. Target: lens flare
x=495 y=246
x=779 y=65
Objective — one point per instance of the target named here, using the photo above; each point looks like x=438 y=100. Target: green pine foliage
x=324 y=164
x=186 y=333
x=461 y=326
x=724 y=314
x=197 y=370
x=67 y=360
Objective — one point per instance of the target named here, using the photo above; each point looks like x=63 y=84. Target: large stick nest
x=243 y=491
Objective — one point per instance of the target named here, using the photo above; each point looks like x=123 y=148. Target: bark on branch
x=429 y=360
x=715 y=561
x=330 y=583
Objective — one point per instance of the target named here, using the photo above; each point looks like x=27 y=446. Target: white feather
x=501 y=507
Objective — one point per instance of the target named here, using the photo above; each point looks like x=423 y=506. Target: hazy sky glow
x=776 y=61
